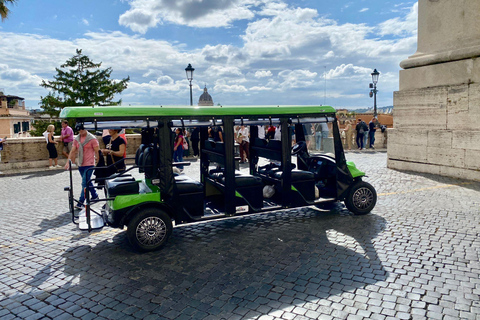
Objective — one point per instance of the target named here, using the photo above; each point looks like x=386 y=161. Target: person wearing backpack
x=361 y=128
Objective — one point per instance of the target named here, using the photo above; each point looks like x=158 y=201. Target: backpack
x=363 y=128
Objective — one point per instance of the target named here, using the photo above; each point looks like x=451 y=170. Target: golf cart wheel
x=361 y=198
x=149 y=230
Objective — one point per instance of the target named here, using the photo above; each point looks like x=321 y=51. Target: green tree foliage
x=81 y=82
x=40 y=126
x=3 y=8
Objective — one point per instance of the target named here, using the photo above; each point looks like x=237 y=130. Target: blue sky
x=245 y=51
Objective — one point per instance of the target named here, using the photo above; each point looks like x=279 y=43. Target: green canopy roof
x=144 y=112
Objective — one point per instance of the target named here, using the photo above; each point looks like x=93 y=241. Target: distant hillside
x=388 y=109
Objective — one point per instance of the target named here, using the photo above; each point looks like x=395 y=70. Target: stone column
x=437 y=108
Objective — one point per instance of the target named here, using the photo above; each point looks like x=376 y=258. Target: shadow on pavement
x=247 y=266
x=57 y=222
x=40 y=174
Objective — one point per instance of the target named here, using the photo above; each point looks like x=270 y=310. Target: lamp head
x=375 y=75
x=189 y=70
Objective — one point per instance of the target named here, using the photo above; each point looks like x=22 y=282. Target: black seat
x=185 y=184
x=248 y=186
x=117 y=187
x=139 y=157
x=147 y=163
x=303 y=181
x=297 y=175
x=190 y=193
x=243 y=180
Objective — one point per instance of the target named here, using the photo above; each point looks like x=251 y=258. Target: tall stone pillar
x=437 y=108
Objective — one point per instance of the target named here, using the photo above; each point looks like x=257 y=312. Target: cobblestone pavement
x=415 y=256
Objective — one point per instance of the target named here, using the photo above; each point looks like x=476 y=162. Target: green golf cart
x=150 y=206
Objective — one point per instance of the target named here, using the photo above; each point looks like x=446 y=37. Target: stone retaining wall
x=437 y=130
x=32 y=152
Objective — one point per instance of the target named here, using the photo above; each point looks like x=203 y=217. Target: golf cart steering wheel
x=299 y=147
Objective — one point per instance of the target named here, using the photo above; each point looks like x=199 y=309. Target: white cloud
x=263 y=74
x=145 y=14
x=401 y=26
x=85 y=22
x=18 y=76
x=223 y=71
x=297 y=79
x=329 y=54
x=262 y=88
x=221 y=87
x=347 y=71
x=363 y=10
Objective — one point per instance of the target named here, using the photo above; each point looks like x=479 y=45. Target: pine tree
x=81 y=82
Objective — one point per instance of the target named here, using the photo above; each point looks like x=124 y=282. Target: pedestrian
x=217 y=133
x=321 y=132
x=106 y=136
x=261 y=132
x=86 y=145
x=178 y=147
x=371 y=132
x=309 y=132
x=2 y=145
x=115 y=151
x=365 y=136
x=195 y=139
x=123 y=135
x=361 y=127
x=277 y=135
x=243 y=139
x=271 y=132
x=186 y=143
x=52 y=147
x=348 y=135
x=67 y=138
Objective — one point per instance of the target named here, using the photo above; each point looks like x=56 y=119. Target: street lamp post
x=189 y=70
x=374 y=91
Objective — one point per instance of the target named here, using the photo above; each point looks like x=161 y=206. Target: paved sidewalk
x=415 y=256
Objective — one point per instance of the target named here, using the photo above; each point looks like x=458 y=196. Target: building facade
x=14 y=119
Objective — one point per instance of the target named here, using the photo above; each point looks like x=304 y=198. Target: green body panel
x=130 y=200
x=238 y=194
x=294 y=189
x=181 y=111
x=354 y=171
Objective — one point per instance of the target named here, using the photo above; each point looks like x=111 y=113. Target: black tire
x=149 y=230
x=361 y=198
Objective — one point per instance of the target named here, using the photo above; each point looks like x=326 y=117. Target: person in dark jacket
x=361 y=128
x=195 y=139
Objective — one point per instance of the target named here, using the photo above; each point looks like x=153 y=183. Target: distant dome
x=205 y=98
